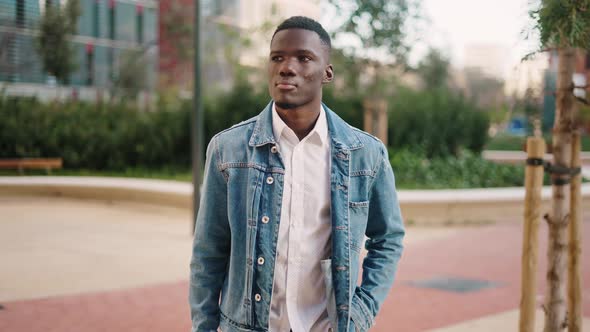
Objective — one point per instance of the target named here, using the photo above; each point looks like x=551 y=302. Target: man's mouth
x=286 y=85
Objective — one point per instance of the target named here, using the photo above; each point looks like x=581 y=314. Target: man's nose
x=287 y=68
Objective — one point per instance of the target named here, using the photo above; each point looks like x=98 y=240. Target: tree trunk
x=555 y=300
x=575 y=318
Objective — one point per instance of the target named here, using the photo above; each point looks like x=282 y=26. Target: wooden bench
x=31 y=163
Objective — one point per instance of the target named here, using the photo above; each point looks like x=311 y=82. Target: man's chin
x=286 y=105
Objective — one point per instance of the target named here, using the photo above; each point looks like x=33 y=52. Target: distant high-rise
x=491 y=59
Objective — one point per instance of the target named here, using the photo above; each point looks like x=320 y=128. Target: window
x=112 y=19
x=89 y=64
x=150 y=26
x=20 y=13
x=7 y=12
x=139 y=23
x=86 y=20
x=95 y=19
x=124 y=17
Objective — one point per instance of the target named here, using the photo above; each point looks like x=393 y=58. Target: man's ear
x=328 y=74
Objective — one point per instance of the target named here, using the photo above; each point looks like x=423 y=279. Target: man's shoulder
x=237 y=133
x=369 y=141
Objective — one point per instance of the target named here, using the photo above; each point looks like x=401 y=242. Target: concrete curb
x=519 y=157
x=418 y=206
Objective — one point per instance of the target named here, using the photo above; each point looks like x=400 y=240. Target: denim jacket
x=243 y=185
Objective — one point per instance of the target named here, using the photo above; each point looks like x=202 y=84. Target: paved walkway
x=77 y=265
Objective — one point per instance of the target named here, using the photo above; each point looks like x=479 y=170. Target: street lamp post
x=197 y=118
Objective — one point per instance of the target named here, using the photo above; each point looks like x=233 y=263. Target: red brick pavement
x=490 y=253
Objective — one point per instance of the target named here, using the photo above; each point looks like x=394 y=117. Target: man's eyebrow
x=300 y=51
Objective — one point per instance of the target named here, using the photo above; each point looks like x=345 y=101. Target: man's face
x=298 y=66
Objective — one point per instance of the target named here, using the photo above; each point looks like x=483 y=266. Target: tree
x=381 y=25
x=132 y=76
x=563 y=25
x=53 y=43
x=434 y=69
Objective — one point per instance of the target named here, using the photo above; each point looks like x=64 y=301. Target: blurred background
x=96 y=103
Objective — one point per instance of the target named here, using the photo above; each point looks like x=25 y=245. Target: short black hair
x=306 y=23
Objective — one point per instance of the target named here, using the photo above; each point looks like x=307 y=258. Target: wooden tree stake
x=532 y=214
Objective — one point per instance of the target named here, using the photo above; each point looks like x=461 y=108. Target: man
x=288 y=197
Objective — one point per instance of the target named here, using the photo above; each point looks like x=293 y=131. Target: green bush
x=437 y=122
x=93 y=136
x=413 y=170
x=118 y=137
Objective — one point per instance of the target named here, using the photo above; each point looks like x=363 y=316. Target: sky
x=457 y=23
x=451 y=25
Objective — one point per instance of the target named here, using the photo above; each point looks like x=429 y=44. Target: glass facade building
x=107 y=31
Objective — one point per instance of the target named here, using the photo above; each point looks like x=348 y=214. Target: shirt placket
x=296 y=223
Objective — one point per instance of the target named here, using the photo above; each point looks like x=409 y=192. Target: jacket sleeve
x=211 y=246
x=385 y=232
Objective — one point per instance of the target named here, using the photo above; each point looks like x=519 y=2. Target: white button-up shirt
x=299 y=294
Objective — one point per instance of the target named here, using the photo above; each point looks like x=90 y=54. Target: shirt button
x=260 y=260
x=257 y=297
x=270 y=180
x=274 y=149
x=265 y=220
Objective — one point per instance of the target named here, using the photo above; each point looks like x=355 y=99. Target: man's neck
x=302 y=119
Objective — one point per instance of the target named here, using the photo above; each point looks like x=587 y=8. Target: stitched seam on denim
x=363 y=172
x=227 y=165
x=257 y=166
x=355 y=247
x=365 y=318
x=359 y=204
x=217 y=162
x=364 y=133
x=378 y=168
x=231 y=322
x=365 y=310
x=237 y=125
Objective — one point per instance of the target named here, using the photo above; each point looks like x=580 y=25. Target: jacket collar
x=341 y=134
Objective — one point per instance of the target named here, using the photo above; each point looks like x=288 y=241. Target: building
x=490 y=59
x=235 y=33
x=108 y=33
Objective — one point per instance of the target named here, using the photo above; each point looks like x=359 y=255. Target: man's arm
x=385 y=232
x=211 y=247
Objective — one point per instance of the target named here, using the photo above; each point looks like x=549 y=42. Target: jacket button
x=260 y=260
x=270 y=180
x=265 y=220
x=274 y=149
x=257 y=297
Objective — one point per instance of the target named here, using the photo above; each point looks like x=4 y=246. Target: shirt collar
x=320 y=128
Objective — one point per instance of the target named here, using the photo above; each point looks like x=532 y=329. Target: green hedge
x=93 y=136
x=413 y=170
x=118 y=137
x=438 y=122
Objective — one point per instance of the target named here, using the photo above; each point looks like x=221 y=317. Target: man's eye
x=304 y=58
x=276 y=58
